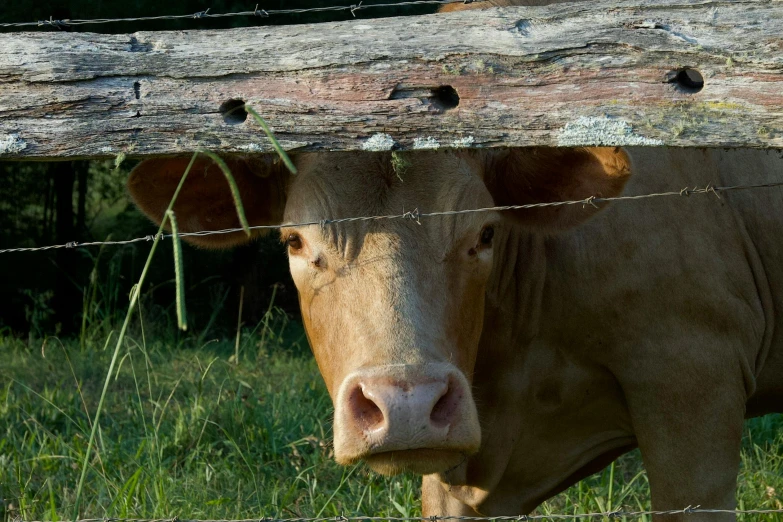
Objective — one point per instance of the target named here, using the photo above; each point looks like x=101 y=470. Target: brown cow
x=508 y=355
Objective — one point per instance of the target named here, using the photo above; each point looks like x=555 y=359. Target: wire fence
x=416 y=216
x=614 y=515
x=255 y=13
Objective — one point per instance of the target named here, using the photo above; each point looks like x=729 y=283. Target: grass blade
x=182 y=320
x=239 y=324
x=134 y=300
x=232 y=184
x=276 y=144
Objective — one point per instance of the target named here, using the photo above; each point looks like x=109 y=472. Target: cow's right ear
x=205 y=202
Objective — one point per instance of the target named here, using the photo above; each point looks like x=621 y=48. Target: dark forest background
x=70 y=291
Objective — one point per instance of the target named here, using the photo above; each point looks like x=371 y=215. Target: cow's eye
x=486 y=235
x=294 y=242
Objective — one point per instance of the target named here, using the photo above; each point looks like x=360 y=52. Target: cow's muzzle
x=418 y=418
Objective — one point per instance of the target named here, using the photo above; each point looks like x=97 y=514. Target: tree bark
x=609 y=72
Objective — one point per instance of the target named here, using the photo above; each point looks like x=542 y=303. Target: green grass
x=187 y=432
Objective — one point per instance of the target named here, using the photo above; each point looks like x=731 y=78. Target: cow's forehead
x=337 y=185
x=346 y=185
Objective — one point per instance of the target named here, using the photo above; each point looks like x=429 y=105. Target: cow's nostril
x=445 y=409
x=368 y=415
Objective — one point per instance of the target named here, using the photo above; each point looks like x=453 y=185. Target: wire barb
x=51 y=22
x=591 y=201
x=413 y=215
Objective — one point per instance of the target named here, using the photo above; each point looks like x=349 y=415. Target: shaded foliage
x=73 y=290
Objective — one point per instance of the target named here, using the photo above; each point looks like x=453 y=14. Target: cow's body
x=596 y=341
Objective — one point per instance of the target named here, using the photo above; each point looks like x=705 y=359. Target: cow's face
x=393 y=308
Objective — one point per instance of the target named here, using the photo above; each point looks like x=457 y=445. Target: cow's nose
x=395 y=413
x=419 y=418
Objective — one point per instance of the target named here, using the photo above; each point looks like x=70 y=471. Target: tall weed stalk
x=136 y=290
x=134 y=298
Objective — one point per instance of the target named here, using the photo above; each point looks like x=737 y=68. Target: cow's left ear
x=543 y=175
x=206 y=202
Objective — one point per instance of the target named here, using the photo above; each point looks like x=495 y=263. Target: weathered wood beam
x=597 y=72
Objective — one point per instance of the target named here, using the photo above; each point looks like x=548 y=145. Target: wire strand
x=417 y=216
x=256 y=13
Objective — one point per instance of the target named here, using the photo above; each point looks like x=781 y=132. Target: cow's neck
x=540 y=432
x=515 y=289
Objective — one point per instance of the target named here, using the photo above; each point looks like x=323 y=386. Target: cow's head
x=393 y=308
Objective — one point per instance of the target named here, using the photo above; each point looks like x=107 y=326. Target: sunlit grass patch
x=188 y=433
x=184 y=433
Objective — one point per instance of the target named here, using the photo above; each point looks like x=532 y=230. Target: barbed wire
x=256 y=13
x=616 y=514
x=415 y=215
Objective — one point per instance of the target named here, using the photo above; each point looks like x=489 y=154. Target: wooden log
x=606 y=72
